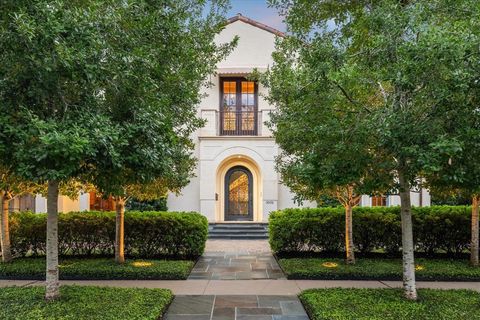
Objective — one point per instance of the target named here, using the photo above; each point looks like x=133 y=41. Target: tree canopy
x=392 y=70
x=102 y=92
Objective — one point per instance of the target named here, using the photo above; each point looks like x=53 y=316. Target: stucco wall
x=65 y=204
x=254 y=48
x=258 y=151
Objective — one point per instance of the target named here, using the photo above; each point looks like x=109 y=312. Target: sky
x=257 y=10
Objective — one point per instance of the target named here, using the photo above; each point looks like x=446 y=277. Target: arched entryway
x=238 y=194
x=238 y=190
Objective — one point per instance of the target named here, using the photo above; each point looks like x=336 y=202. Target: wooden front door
x=238 y=194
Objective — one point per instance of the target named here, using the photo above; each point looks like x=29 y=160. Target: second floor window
x=238 y=107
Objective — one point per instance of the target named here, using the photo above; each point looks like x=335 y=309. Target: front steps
x=239 y=231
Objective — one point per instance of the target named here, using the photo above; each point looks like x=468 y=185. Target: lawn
x=386 y=304
x=377 y=269
x=84 y=303
x=98 y=269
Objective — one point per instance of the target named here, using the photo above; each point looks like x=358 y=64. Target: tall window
x=238 y=106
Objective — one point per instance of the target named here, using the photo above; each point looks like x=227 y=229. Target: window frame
x=238 y=108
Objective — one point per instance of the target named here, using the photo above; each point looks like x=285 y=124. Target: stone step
x=225 y=231
x=238 y=231
x=238 y=236
x=238 y=225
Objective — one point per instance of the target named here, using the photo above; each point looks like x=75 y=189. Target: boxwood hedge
x=435 y=229
x=147 y=234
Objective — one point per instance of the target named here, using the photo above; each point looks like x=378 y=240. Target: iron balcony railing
x=239 y=123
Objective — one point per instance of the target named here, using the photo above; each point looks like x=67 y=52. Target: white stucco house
x=235 y=179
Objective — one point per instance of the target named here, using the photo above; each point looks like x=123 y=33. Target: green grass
x=386 y=304
x=378 y=269
x=98 y=269
x=79 y=303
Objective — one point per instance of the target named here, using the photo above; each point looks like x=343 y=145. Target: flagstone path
x=236 y=307
x=236 y=260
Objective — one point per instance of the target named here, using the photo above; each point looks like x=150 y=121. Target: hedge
x=435 y=229
x=147 y=234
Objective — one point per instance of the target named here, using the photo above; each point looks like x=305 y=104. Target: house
x=235 y=179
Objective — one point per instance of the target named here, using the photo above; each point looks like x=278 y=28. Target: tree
x=161 y=55
x=50 y=92
x=397 y=64
x=62 y=87
x=457 y=171
x=324 y=149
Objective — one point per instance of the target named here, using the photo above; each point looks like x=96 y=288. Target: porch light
x=330 y=264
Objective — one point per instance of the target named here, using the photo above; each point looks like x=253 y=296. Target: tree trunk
x=475 y=241
x=409 y=286
x=5 y=232
x=119 y=230
x=349 y=235
x=52 y=286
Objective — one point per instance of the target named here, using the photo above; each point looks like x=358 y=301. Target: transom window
x=238 y=107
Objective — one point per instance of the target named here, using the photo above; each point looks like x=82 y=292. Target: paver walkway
x=241 y=246
x=236 y=266
x=228 y=307
x=236 y=260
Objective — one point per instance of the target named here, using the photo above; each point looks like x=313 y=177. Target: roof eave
x=257 y=24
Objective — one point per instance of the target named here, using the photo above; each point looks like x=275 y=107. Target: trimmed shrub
x=148 y=205
x=436 y=229
x=147 y=234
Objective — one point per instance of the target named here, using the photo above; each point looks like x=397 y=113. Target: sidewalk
x=247 y=287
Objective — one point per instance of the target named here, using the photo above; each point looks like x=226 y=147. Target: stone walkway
x=233 y=307
x=236 y=260
x=240 y=246
x=236 y=266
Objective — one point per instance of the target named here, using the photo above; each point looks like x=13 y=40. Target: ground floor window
x=379 y=201
x=97 y=203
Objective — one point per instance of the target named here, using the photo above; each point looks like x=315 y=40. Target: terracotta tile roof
x=256 y=24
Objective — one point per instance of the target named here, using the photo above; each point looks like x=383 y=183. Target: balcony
x=234 y=123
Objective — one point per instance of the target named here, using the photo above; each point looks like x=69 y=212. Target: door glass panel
x=238 y=193
x=229 y=105
x=248 y=105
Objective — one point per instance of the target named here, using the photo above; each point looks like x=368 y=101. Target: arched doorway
x=238 y=194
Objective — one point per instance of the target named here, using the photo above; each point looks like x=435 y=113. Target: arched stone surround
x=222 y=169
